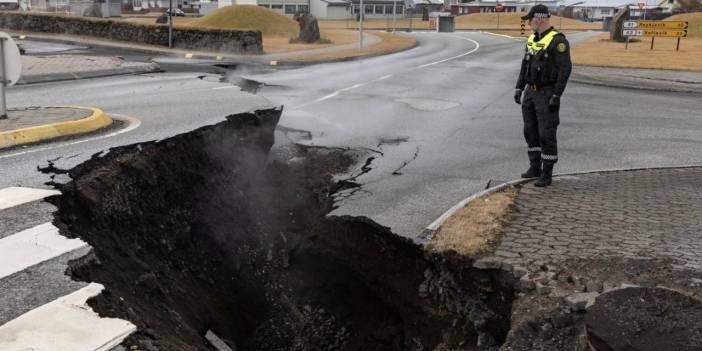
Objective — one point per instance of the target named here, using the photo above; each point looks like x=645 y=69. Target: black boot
x=534 y=170
x=545 y=178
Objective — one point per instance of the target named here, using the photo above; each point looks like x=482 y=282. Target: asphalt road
x=441 y=115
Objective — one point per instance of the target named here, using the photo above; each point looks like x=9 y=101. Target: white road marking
x=133 y=124
x=15 y=196
x=477 y=46
x=504 y=35
x=33 y=246
x=358 y=85
x=66 y=323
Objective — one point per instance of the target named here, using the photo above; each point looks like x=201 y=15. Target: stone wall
x=230 y=41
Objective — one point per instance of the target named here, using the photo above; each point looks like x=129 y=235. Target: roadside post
x=409 y=5
x=10 y=68
x=653 y=29
x=362 y=14
x=170 y=23
x=498 y=9
x=394 y=16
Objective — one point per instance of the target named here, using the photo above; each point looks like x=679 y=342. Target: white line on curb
x=33 y=246
x=15 y=196
x=66 y=323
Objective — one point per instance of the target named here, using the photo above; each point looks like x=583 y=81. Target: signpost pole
x=652 y=40
x=498 y=20
x=394 y=16
x=626 y=46
x=362 y=13
x=677 y=47
x=170 y=23
x=3 y=101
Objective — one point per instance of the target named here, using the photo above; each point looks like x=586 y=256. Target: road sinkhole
x=207 y=241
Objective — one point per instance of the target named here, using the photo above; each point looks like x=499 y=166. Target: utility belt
x=536 y=87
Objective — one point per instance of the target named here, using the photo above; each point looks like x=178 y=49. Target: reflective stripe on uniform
x=534 y=47
x=549 y=157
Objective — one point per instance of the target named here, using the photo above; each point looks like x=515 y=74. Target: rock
x=617 y=26
x=547 y=330
x=526 y=284
x=519 y=272
x=487 y=263
x=309 y=28
x=593 y=286
x=542 y=289
x=581 y=301
x=607 y=286
x=162 y=19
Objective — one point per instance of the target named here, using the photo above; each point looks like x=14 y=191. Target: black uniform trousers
x=540 y=124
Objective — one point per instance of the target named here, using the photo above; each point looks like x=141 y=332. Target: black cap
x=538 y=11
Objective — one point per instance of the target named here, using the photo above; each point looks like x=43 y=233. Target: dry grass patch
x=602 y=52
x=250 y=17
x=391 y=43
x=277 y=43
x=477 y=228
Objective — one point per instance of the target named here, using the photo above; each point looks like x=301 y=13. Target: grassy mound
x=511 y=20
x=248 y=17
x=695 y=23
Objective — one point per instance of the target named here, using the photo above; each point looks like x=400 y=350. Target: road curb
x=97 y=120
x=430 y=230
x=57 y=77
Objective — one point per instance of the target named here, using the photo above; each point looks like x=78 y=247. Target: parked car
x=176 y=13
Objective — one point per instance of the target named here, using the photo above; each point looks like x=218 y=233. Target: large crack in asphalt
x=205 y=233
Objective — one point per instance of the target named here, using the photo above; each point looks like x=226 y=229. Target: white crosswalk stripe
x=14 y=196
x=66 y=323
x=33 y=246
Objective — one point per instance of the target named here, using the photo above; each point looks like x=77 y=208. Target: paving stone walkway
x=36 y=116
x=629 y=214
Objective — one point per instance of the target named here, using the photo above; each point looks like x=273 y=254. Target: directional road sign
x=655 y=24
x=655 y=33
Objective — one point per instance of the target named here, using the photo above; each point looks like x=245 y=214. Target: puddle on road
x=428 y=105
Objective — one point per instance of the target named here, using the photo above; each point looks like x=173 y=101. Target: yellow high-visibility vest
x=533 y=47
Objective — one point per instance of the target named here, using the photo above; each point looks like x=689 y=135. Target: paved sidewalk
x=36 y=116
x=636 y=78
x=37 y=69
x=640 y=214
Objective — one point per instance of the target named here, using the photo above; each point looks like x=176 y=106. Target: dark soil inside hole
x=203 y=232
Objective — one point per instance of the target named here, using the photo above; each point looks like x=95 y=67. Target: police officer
x=545 y=71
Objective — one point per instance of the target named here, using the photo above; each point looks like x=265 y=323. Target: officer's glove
x=554 y=102
x=518 y=96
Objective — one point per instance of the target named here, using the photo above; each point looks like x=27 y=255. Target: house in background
x=330 y=9
x=596 y=10
x=378 y=8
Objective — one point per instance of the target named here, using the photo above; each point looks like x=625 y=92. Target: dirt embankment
x=203 y=232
